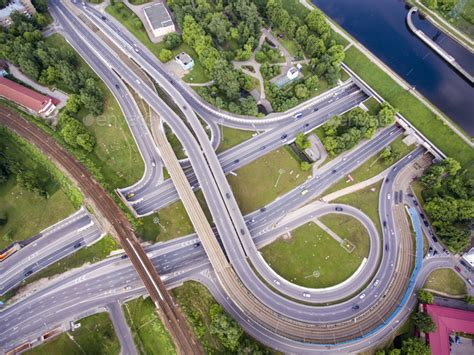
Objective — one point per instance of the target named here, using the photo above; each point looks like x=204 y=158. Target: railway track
x=171 y=315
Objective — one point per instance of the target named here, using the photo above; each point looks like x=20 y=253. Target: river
x=380 y=25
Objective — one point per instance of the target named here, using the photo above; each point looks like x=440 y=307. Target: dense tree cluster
x=225 y=328
x=3 y=3
x=22 y=44
x=75 y=133
x=449 y=201
x=269 y=71
x=268 y=54
x=172 y=40
x=441 y=5
x=344 y=132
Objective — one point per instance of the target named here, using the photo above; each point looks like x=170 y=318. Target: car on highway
x=385 y=224
x=434 y=239
x=362 y=296
x=304 y=192
x=236 y=161
x=227 y=195
x=425 y=222
x=276 y=282
x=386 y=247
x=389 y=197
x=130 y=195
x=334 y=171
x=196 y=244
x=307 y=295
x=124 y=256
x=315 y=109
x=298 y=115
x=117 y=86
x=263 y=209
x=339 y=209
x=284 y=138
x=355 y=307
x=457 y=268
x=242 y=231
x=104 y=18
x=28 y=273
x=376 y=283
x=77 y=245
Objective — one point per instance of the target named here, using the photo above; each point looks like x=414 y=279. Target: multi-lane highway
x=50 y=245
x=275 y=319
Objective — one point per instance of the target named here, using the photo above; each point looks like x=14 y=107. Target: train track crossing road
x=172 y=317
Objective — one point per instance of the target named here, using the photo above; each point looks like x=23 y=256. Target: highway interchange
x=188 y=260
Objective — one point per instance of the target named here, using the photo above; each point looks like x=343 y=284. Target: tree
x=302 y=34
x=301 y=91
x=305 y=166
x=424 y=322
x=432 y=4
x=172 y=40
x=451 y=166
x=225 y=328
x=316 y=22
x=386 y=115
x=315 y=46
x=425 y=296
x=219 y=27
x=302 y=142
x=414 y=346
x=312 y=82
x=73 y=104
x=469 y=299
x=165 y=55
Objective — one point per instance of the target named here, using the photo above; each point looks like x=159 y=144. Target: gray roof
x=158 y=16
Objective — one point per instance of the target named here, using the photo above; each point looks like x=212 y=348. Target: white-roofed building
x=469 y=257
x=22 y=6
x=159 y=19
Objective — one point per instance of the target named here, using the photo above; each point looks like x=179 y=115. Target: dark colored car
x=339 y=209
x=117 y=86
x=384 y=224
x=77 y=245
x=236 y=161
x=425 y=222
x=457 y=268
x=124 y=256
x=355 y=307
x=284 y=136
x=263 y=209
x=334 y=171
x=104 y=18
x=227 y=195
x=435 y=239
x=196 y=244
x=242 y=231
x=386 y=247
x=28 y=273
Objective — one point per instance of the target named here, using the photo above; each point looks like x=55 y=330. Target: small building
x=469 y=258
x=31 y=100
x=185 y=61
x=159 y=19
x=292 y=73
x=22 y=6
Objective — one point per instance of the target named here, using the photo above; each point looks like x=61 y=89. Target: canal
x=380 y=25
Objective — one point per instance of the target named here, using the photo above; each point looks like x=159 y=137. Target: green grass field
x=128 y=19
x=262 y=175
x=372 y=167
x=351 y=229
x=372 y=105
x=446 y=281
x=28 y=213
x=410 y=107
x=149 y=334
x=311 y=249
x=95 y=336
x=367 y=201
x=232 y=137
x=116 y=153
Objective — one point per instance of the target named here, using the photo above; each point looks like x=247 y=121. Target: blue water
x=380 y=25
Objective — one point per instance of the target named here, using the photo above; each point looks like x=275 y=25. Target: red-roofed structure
x=448 y=320
x=23 y=96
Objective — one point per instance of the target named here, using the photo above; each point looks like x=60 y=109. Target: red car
x=457 y=269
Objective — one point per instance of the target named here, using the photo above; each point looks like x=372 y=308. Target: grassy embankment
x=373 y=166
x=411 y=108
x=446 y=281
x=149 y=333
x=27 y=213
x=129 y=20
x=95 y=336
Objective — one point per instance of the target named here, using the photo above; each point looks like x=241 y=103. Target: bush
x=172 y=40
x=165 y=55
x=425 y=297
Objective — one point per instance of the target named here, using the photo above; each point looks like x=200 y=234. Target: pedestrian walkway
x=122 y=329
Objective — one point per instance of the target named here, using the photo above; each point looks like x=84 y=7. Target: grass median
x=266 y=178
x=95 y=336
x=411 y=108
x=311 y=258
x=232 y=137
x=367 y=200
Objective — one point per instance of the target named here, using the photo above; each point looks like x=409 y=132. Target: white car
x=376 y=283
x=362 y=296
x=388 y=197
x=276 y=282
x=307 y=295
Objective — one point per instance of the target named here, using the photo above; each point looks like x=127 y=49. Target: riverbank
x=439 y=129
